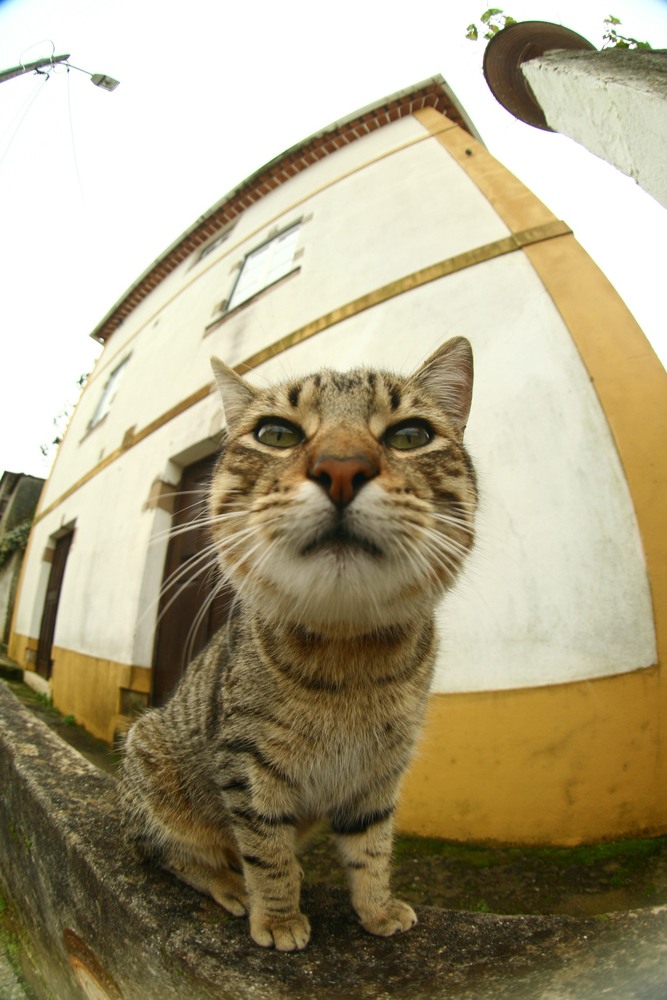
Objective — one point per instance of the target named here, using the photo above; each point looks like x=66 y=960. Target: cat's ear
x=237 y=394
x=447 y=376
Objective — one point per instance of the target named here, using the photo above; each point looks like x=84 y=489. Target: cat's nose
x=342 y=478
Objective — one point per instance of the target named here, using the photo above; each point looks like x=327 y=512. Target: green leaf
x=488 y=14
x=472 y=32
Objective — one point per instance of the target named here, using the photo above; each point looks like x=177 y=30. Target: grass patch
x=628 y=854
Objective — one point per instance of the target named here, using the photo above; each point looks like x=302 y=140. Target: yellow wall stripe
x=489 y=251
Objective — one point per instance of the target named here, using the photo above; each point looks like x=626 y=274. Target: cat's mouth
x=340 y=538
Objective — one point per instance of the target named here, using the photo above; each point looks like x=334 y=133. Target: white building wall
x=440 y=215
x=556 y=589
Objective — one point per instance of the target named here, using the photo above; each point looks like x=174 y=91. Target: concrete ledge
x=102 y=926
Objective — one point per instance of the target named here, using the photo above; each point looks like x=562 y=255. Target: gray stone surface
x=104 y=926
x=11 y=986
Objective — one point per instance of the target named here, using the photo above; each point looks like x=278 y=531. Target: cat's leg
x=365 y=843
x=273 y=879
x=225 y=886
x=198 y=854
x=162 y=826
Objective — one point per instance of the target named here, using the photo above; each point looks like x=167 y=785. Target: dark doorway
x=184 y=624
x=47 y=628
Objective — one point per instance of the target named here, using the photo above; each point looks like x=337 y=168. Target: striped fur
x=339 y=541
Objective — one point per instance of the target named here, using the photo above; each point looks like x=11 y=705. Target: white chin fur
x=335 y=585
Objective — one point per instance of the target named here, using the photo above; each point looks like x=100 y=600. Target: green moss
x=628 y=854
x=430 y=847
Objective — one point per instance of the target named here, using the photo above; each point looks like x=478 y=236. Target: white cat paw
x=286 y=934
x=393 y=918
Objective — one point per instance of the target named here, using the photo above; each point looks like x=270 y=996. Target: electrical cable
x=71 y=132
x=22 y=112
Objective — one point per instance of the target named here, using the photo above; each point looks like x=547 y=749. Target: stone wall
x=104 y=928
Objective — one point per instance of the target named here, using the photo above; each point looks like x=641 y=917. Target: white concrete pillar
x=612 y=102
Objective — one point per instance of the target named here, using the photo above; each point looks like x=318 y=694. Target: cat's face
x=346 y=501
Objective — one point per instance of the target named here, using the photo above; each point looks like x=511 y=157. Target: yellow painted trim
x=489 y=251
x=550 y=230
x=20 y=646
x=564 y=764
x=631 y=385
x=516 y=204
x=89 y=688
x=630 y=381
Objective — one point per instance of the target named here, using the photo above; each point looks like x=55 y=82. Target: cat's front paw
x=284 y=934
x=393 y=918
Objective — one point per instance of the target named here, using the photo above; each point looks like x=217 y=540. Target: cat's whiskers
x=199 y=618
x=412 y=554
x=455 y=546
x=251 y=578
x=202 y=520
x=446 y=550
x=186 y=567
x=443 y=551
x=455 y=521
x=206 y=556
x=244 y=558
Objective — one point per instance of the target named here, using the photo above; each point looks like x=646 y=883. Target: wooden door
x=185 y=624
x=47 y=628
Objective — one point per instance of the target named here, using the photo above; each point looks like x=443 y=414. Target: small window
x=214 y=244
x=108 y=393
x=265 y=265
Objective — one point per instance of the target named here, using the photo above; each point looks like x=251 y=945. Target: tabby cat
x=341 y=510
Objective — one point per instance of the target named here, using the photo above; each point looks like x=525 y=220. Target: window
x=108 y=393
x=214 y=244
x=265 y=265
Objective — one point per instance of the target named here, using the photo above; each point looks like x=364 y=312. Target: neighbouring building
x=18 y=499
x=372 y=242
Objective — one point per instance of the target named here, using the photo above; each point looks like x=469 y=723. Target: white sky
x=95 y=185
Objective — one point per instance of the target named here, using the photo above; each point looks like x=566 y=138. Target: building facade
x=373 y=242
x=18 y=499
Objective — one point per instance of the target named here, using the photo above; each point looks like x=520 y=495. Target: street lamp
x=99 y=79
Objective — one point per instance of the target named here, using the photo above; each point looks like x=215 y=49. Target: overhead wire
x=71 y=132
x=22 y=113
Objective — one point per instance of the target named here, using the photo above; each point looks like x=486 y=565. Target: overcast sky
x=95 y=185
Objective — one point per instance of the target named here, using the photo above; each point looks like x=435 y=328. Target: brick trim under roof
x=432 y=93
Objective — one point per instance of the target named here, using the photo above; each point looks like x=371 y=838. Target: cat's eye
x=279 y=433
x=408 y=435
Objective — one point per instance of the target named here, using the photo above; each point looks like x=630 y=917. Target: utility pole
x=9 y=74
x=99 y=79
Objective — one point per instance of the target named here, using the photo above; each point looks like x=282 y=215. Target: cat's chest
x=341 y=747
